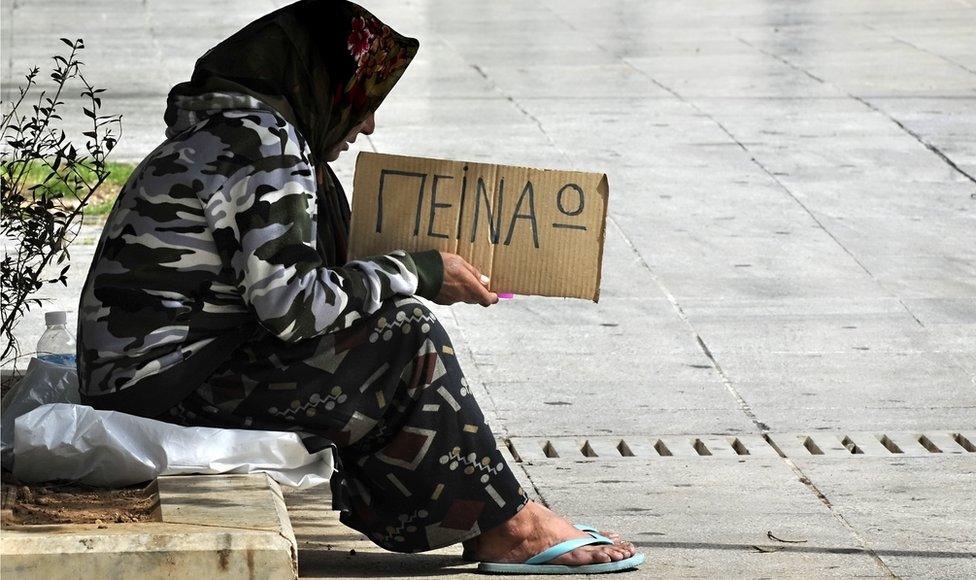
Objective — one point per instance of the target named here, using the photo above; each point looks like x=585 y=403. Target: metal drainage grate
x=860 y=444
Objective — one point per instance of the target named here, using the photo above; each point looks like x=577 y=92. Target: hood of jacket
x=323 y=65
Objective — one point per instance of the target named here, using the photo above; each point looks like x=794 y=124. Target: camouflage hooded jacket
x=212 y=242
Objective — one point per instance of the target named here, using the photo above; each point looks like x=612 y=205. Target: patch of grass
x=102 y=199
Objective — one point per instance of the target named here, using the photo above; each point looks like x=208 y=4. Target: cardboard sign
x=532 y=231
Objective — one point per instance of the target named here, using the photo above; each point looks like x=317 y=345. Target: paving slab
x=817 y=416
x=540 y=420
x=573 y=398
x=708 y=517
x=860 y=377
x=916 y=514
x=31 y=31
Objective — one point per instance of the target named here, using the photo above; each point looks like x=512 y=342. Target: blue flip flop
x=538 y=564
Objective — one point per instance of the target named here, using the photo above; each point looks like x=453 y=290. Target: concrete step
x=209 y=526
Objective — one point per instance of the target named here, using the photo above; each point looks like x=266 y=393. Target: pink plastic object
x=505 y=295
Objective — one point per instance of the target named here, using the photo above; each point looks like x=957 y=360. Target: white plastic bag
x=44 y=382
x=107 y=448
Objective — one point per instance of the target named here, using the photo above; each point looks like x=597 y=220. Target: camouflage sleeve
x=264 y=224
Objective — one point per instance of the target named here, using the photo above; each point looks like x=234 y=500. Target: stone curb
x=210 y=526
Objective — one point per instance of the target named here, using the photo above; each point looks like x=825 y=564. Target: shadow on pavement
x=340 y=563
x=772 y=548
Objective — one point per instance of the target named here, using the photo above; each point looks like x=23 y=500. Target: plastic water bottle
x=56 y=345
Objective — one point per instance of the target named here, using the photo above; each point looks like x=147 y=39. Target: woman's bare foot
x=536 y=528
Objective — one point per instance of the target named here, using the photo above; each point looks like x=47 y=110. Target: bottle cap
x=55 y=317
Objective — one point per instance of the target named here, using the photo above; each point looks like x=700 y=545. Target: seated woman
x=220 y=295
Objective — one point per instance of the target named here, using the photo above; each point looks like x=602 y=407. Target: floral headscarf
x=324 y=65
x=373 y=45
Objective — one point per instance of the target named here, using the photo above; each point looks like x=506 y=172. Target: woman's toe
x=594 y=555
x=600 y=554
x=626 y=548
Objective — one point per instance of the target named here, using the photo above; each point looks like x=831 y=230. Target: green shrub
x=46 y=183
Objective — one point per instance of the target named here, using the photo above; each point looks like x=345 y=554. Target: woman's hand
x=462 y=283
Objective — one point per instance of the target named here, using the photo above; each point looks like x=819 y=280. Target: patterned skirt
x=418 y=466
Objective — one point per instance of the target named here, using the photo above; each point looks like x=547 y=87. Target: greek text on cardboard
x=532 y=231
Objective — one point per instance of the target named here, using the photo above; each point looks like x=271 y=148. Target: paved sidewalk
x=791 y=250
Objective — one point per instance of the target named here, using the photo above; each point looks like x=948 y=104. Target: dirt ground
x=74 y=503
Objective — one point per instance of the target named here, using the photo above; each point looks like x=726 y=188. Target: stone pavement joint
x=679 y=311
x=856 y=533
x=931 y=147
